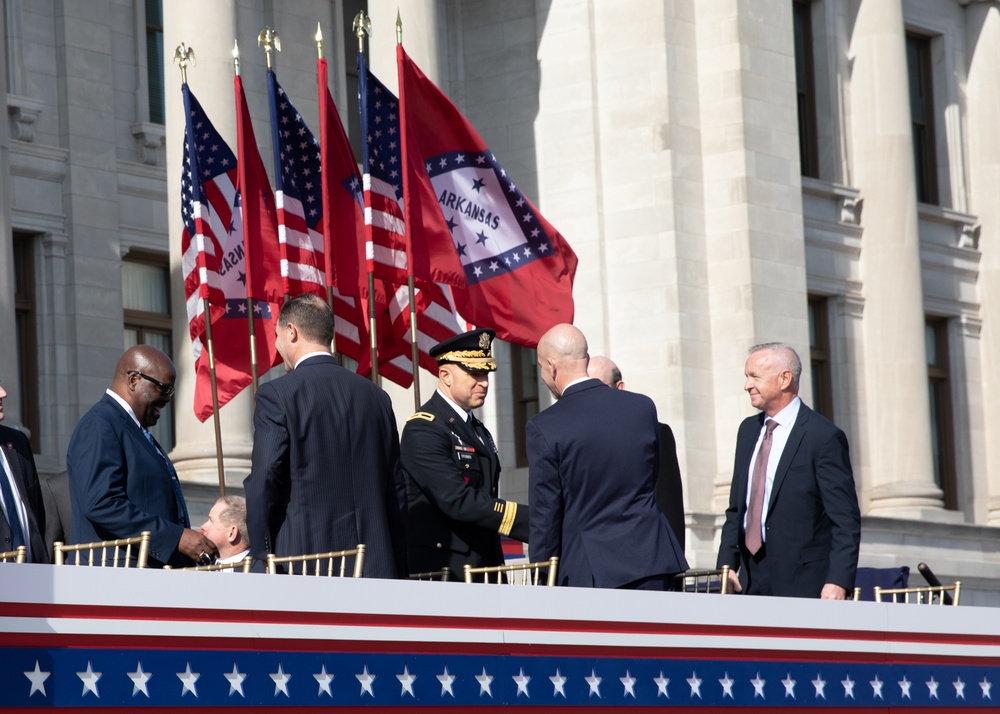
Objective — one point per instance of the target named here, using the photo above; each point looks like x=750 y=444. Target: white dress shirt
x=779 y=437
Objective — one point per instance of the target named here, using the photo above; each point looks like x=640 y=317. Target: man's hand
x=197 y=547
x=833 y=592
x=734 y=583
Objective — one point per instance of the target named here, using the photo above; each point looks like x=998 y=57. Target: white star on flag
x=89 y=679
x=628 y=681
x=446 y=680
x=484 y=680
x=848 y=687
x=789 y=685
x=876 y=688
x=661 y=685
x=932 y=687
x=188 y=678
x=324 y=679
x=904 y=688
x=959 y=686
x=727 y=686
x=366 y=680
x=522 y=683
x=558 y=684
x=695 y=685
x=280 y=680
x=139 y=680
x=37 y=678
x=758 y=686
x=406 y=681
x=594 y=682
x=819 y=683
x=235 y=679
x=984 y=685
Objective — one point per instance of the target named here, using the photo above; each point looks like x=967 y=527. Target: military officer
x=452 y=468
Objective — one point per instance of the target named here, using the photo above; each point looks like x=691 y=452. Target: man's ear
x=233 y=535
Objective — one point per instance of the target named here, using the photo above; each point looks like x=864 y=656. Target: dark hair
x=311 y=315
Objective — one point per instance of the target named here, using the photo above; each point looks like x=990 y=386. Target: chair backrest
x=15 y=556
x=703 y=581
x=516 y=574
x=241 y=565
x=925 y=595
x=441 y=575
x=336 y=562
x=867 y=579
x=113 y=553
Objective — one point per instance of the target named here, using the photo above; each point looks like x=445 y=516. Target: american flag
x=299 y=198
x=437 y=318
x=213 y=261
x=209 y=211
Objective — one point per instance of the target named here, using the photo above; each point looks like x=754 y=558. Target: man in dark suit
x=593 y=457
x=668 y=489
x=22 y=515
x=120 y=480
x=452 y=468
x=58 y=510
x=793 y=526
x=325 y=451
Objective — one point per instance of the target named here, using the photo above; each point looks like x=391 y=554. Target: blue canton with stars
x=94 y=677
x=298 y=154
x=505 y=247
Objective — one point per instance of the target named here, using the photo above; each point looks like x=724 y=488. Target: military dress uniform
x=452 y=471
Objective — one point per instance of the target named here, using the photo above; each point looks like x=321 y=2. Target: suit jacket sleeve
x=268 y=487
x=729 y=546
x=97 y=453
x=395 y=495
x=545 y=489
x=840 y=501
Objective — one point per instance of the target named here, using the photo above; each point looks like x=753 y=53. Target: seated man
x=227 y=528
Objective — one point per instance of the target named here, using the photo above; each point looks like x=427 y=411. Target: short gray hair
x=785 y=353
x=234 y=513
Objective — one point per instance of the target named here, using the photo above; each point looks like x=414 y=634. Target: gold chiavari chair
x=240 y=565
x=441 y=575
x=15 y=556
x=703 y=581
x=336 y=563
x=516 y=574
x=106 y=553
x=925 y=595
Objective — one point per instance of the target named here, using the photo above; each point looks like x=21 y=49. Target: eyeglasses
x=166 y=390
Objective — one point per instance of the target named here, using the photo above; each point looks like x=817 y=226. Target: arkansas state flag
x=518 y=268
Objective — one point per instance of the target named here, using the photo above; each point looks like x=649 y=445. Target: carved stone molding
x=23 y=113
x=969 y=237
x=850 y=210
x=149 y=138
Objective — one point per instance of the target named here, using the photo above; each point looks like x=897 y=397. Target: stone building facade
x=822 y=172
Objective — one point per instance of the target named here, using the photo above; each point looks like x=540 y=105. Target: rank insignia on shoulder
x=426 y=416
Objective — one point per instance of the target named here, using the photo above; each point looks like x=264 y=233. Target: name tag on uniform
x=465 y=453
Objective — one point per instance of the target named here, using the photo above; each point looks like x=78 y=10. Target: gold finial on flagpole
x=319 y=41
x=236 y=57
x=399 y=28
x=184 y=56
x=362 y=26
x=269 y=38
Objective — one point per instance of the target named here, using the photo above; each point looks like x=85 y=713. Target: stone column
x=8 y=346
x=755 y=252
x=983 y=108
x=899 y=436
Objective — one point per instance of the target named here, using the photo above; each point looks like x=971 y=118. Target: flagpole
x=415 y=347
x=250 y=320
x=185 y=55
x=363 y=26
x=327 y=222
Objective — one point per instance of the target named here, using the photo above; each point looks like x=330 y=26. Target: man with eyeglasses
x=121 y=481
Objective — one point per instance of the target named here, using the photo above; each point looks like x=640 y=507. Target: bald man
x=593 y=457
x=668 y=489
x=120 y=480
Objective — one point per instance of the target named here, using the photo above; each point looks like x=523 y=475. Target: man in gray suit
x=325 y=452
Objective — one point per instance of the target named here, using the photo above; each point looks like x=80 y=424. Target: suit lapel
x=746 y=454
x=788 y=453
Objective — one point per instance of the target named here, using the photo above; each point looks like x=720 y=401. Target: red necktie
x=757 y=486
